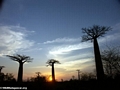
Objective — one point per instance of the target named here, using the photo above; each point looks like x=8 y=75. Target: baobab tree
x=92 y=34
x=78 y=74
x=1 y=67
x=21 y=59
x=38 y=74
x=51 y=63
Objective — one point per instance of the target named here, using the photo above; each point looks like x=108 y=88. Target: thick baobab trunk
x=53 y=73
x=98 y=62
x=20 y=72
x=78 y=75
x=0 y=70
x=1 y=67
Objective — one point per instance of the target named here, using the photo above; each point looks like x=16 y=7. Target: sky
x=52 y=29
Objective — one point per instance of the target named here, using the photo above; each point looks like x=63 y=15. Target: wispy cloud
x=31 y=49
x=13 y=38
x=113 y=35
x=109 y=38
x=63 y=40
x=67 y=48
x=74 y=65
x=69 y=56
x=116 y=27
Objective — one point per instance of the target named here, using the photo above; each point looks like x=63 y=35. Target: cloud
x=63 y=40
x=31 y=49
x=112 y=35
x=74 y=65
x=116 y=27
x=13 y=39
x=67 y=48
x=70 y=55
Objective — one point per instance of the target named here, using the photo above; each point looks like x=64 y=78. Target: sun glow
x=50 y=78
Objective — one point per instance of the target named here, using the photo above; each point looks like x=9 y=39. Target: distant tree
x=73 y=77
x=21 y=59
x=111 y=61
x=30 y=79
x=9 y=77
x=38 y=78
x=87 y=76
x=1 y=74
x=84 y=77
x=51 y=63
x=38 y=74
x=1 y=67
x=1 y=77
x=92 y=34
x=78 y=74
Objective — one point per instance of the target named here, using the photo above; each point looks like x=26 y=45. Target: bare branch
x=86 y=38
x=111 y=60
x=94 y=32
x=14 y=58
x=20 y=58
x=2 y=66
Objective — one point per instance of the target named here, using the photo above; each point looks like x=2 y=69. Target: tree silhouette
x=9 y=77
x=21 y=59
x=87 y=76
x=38 y=74
x=1 y=3
x=78 y=74
x=92 y=34
x=1 y=74
x=111 y=61
x=1 y=67
x=51 y=62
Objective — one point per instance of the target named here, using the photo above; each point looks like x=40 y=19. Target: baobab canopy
x=52 y=61
x=95 y=31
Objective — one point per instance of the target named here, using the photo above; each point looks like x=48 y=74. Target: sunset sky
x=51 y=29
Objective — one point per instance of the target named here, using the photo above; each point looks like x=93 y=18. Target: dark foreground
x=67 y=85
